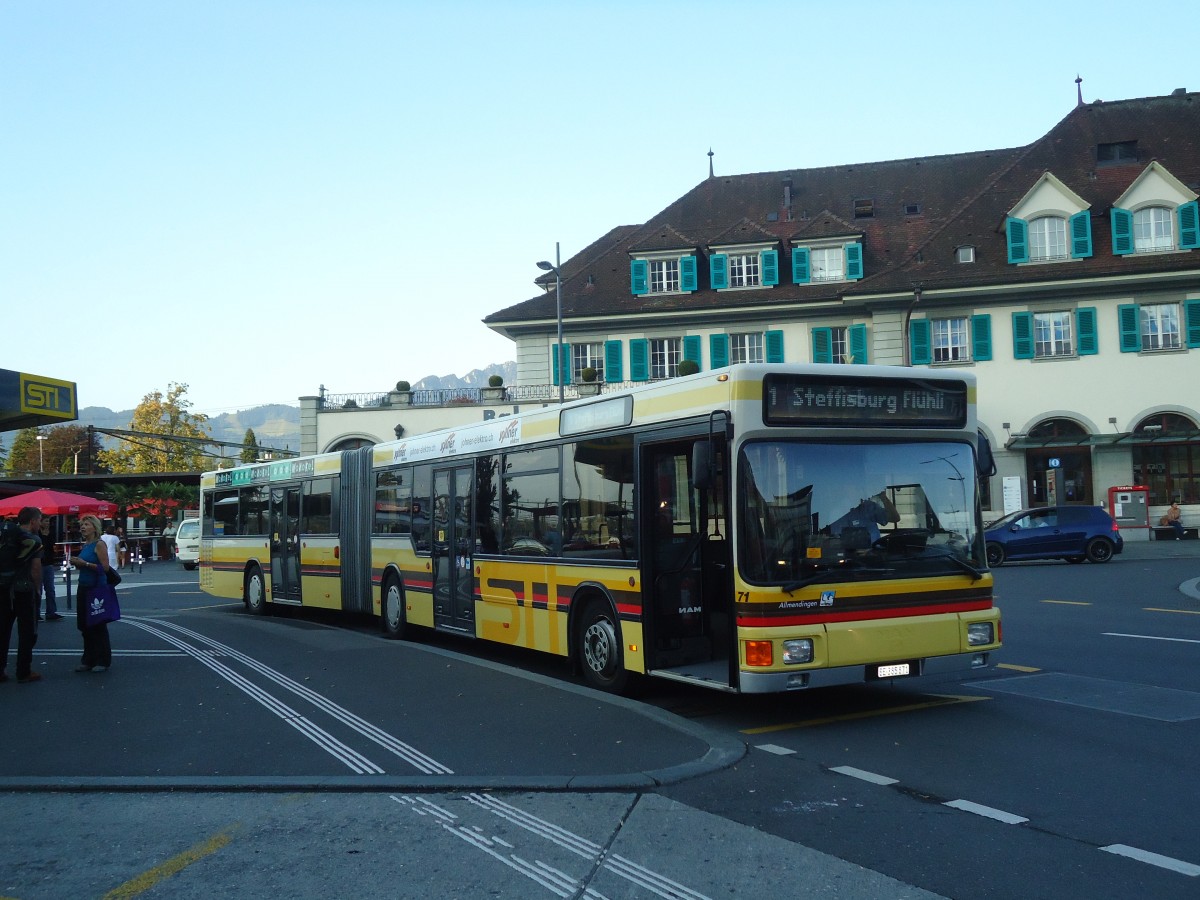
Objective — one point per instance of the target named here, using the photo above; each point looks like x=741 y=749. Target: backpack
x=15 y=557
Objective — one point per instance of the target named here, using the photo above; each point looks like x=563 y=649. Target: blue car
x=1073 y=533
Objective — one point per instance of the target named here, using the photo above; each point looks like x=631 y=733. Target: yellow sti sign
x=28 y=400
x=47 y=396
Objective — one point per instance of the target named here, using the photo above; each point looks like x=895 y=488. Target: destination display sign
x=827 y=400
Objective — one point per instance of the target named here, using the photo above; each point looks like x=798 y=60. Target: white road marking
x=775 y=748
x=1150 y=637
x=864 y=775
x=998 y=814
x=408 y=753
x=1154 y=859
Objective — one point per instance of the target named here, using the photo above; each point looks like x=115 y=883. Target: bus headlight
x=798 y=651
x=979 y=633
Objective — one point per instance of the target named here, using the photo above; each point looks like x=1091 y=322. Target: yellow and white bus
x=756 y=528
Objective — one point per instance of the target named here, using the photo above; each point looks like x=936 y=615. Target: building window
x=965 y=254
x=664 y=357
x=1114 y=154
x=746 y=348
x=838 y=345
x=1052 y=334
x=1160 y=327
x=950 y=343
x=664 y=276
x=1169 y=464
x=828 y=264
x=1153 y=229
x=743 y=270
x=585 y=356
x=1048 y=238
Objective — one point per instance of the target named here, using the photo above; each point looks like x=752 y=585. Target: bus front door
x=686 y=569
x=285 y=545
x=453 y=549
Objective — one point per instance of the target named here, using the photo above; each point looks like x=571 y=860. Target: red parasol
x=57 y=503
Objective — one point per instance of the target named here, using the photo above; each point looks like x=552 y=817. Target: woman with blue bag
x=92 y=563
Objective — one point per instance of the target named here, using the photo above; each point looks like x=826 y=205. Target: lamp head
x=545 y=266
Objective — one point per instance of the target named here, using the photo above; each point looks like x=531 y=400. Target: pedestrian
x=52 y=558
x=122 y=548
x=1172 y=518
x=113 y=543
x=91 y=562
x=20 y=575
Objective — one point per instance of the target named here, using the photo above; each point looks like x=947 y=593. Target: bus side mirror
x=702 y=474
x=985 y=462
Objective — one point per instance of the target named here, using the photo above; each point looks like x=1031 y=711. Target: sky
x=260 y=198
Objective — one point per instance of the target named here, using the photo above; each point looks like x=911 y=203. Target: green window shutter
x=854 y=265
x=774 y=342
x=718 y=271
x=981 y=337
x=1088 y=343
x=919 y=353
x=769 y=264
x=718 y=350
x=613 y=371
x=801 y=273
x=858 y=344
x=1018 y=240
x=639 y=276
x=687 y=273
x=691 y=348
x=1189 y=225
x=1022 y=324
x=639 y=360
x=1081 y=235
x=1191 y=320
x=1129 y=319
x=1122 y=231
x=822 y=345
x=563 y=354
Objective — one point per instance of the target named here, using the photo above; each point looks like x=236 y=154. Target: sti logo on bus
x=47 y=396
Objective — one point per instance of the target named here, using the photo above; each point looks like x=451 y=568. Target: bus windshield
x=815 y=512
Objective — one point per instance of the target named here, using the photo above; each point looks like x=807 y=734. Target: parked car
x=187 y=543
x=1073 y=533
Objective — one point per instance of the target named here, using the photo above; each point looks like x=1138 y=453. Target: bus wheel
x=995 y=555
x=598 y=649
x=392 y=612
x=255 y=594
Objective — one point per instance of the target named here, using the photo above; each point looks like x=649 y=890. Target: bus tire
x=598 y=648
x=254 y=592
x=391 y=608
x=995 y=555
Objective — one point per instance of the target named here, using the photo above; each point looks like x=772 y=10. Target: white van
x=187 y=543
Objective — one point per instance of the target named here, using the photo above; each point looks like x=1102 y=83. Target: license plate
x=893 y=671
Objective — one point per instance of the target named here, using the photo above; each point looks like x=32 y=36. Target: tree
x=249 y=447
x=66 y=449
x=23 y=458
x=167 y=416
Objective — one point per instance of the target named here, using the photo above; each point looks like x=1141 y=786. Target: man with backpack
x=20 y=577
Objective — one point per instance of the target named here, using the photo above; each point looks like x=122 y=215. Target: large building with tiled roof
x=1065 y=273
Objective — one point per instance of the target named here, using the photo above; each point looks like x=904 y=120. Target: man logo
x=47 y=396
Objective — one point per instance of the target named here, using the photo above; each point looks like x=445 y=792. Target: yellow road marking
x=1186 y=612
x=1068 y=602
x=151 y=878
x=1017 y=668
x=943 y=700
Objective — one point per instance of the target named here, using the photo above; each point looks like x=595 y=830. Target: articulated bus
x=756 y=528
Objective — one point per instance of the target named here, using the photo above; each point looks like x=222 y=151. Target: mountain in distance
x=277 y=425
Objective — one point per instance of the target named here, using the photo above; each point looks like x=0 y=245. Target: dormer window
x=1156 y=213
x=1048 y=238
x=731 y=268
x=965 y=254
x=743 y=270
x=1117 y=153
x=827 y=261
x=1153 y=229
x=662 y=273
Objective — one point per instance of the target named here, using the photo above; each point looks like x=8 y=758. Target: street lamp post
x=546 y=267
x=41 y=456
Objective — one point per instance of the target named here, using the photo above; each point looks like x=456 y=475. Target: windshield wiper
x=849 y=568
x=957 y=561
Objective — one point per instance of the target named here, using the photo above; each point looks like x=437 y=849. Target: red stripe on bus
x=859 y=615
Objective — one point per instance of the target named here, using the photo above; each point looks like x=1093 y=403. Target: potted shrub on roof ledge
x=402 y=395
x=589 y=387
x=495 y=388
